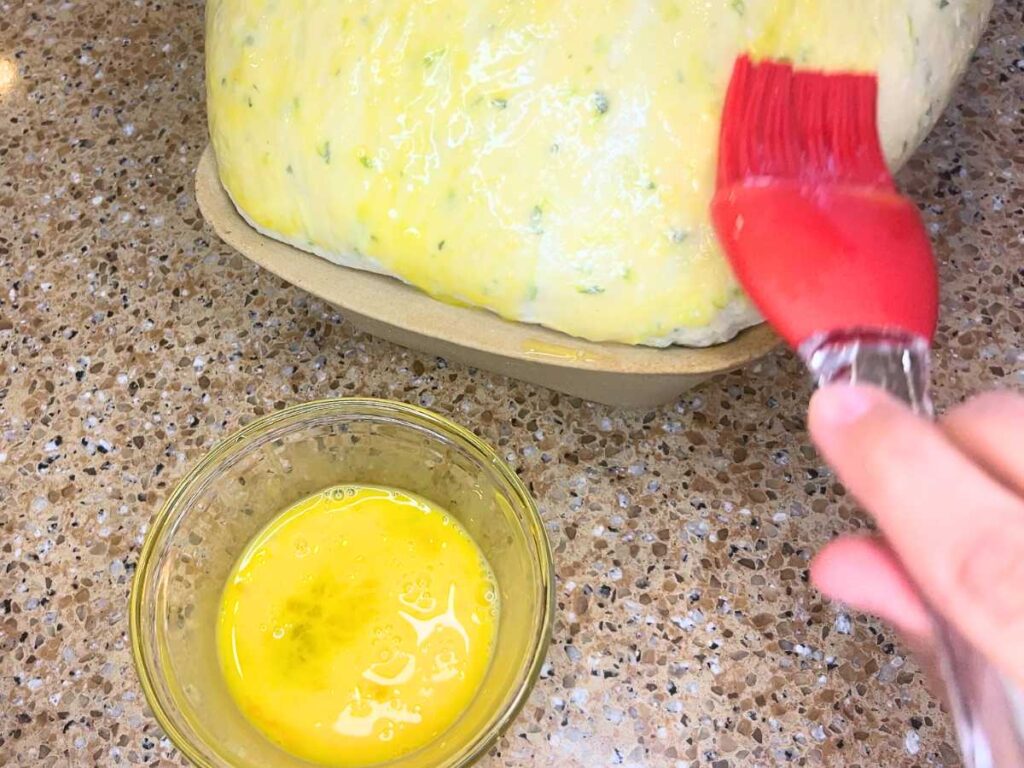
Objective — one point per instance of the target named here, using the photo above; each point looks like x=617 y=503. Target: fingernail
x=843 y=404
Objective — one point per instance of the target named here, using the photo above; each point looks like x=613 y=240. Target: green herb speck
x=601 y=102
x=739 y=6
x=325 y=152
x=499 y=103
x=590 y=290
x=433 y=57
x=537 y=220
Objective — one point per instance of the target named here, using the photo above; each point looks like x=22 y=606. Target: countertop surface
x=131 y=340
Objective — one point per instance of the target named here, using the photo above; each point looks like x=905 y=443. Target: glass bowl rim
x=146 y=667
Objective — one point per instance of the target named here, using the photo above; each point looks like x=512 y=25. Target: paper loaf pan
x=614 y=374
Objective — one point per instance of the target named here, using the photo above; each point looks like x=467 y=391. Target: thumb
x=958 y=533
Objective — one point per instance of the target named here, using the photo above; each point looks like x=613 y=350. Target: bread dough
x=549 y=160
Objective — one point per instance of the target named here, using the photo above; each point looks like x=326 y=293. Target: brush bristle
x=781 y=123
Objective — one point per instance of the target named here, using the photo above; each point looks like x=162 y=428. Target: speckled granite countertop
x=132 y=340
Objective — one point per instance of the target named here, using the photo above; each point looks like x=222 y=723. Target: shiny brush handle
x=987 y=707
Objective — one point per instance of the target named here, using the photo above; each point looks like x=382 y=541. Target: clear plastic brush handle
x=988 y=708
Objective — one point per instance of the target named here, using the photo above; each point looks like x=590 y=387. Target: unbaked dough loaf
x=550 y=160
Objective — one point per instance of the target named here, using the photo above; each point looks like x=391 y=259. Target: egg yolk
x=358 y=626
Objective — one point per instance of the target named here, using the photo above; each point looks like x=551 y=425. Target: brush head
x=781 y=123
x=808 y=212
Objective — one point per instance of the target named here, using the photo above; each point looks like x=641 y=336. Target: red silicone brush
x=840 y=264
x=808 y=212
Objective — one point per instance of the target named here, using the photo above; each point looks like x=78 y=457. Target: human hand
x=949 y=500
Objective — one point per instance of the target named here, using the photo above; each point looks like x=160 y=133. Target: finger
x=864 y=574
x=990 y=429
x=957 y=531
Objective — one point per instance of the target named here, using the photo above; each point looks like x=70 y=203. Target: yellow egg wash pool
x=357 y=626
x=549 y=160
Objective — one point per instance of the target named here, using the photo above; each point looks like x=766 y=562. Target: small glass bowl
x=277 y=461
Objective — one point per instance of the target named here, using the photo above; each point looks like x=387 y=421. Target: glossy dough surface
x=549 y=160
